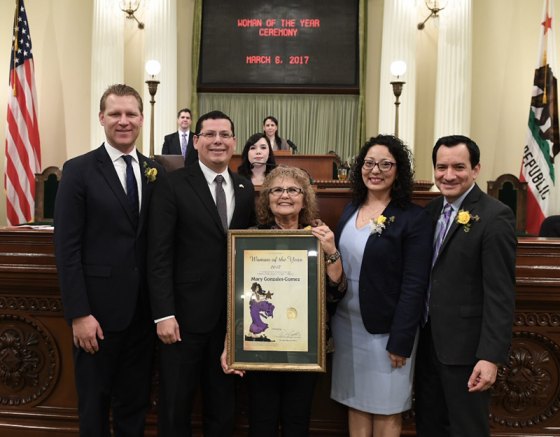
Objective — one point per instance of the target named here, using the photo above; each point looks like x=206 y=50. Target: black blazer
x=394 y=274
x=172 y=146
x=472 y=295
x=187 y=250
x=100 y=246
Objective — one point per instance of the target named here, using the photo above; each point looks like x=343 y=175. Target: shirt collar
x=210 y=174
x=115 y=154
x=459 y=201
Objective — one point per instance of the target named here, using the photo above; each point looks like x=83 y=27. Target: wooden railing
x=37 y=394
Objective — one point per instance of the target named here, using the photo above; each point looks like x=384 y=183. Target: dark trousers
x=444 y=407
x=184 y=367
x=280 y=398
x=116 y=379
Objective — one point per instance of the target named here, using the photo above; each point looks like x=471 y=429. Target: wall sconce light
x=153 y=68
x=129 y=7
x=398 y=68
x=435 y=7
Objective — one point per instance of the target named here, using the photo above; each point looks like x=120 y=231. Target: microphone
x=259 y=164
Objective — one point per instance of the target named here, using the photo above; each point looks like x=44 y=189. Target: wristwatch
x=330 y=259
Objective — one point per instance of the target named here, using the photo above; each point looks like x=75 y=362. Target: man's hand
x=397 y=361
x=85 y=332
x=168 y=331
x=483 y=376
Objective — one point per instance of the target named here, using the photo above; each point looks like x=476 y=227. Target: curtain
x=316 y=123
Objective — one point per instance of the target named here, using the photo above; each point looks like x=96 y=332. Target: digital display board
x=255 y=44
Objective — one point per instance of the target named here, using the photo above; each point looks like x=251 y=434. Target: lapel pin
x=241 y=186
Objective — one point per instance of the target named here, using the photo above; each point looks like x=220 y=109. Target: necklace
x=367 y=213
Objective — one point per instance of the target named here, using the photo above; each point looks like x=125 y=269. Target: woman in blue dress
x=385 y=243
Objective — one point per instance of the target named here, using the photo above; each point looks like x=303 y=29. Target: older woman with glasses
x=386 y=244
x=287 y=201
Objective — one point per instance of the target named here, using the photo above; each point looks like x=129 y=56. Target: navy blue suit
x=100 y=245
x=394 y=274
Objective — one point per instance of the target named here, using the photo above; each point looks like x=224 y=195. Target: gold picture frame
x=276 y=301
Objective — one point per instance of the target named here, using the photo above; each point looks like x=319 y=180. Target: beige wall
x=505 y=44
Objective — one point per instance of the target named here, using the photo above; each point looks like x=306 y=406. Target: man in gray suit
x=471 y=298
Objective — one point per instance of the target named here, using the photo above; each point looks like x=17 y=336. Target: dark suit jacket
x=394 y=274
x=100 y=245
x=172 y=146
x=550 y=227
x=472 y=294
x=187 y=250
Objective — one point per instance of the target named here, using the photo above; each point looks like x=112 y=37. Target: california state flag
x=541 y=164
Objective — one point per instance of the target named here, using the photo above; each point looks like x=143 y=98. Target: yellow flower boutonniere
x=466 y=219
x=150 y=172
x=378 y=225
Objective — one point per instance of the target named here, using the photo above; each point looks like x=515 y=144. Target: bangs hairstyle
x=309 y=210
x=401 y=191
x=245 y=168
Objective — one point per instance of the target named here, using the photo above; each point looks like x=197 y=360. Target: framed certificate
x=276 y=301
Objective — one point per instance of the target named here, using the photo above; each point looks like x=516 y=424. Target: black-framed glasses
x=278 y=191
x=211 y=135
x=385 y=165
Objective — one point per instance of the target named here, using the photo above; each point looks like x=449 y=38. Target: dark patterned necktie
x=131 y=187
x=221 y=201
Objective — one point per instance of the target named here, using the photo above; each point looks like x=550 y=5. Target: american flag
x=23 y=147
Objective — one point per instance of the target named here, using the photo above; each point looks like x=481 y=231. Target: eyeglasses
x=278 y=191
x=383 y=166
x=211 y=135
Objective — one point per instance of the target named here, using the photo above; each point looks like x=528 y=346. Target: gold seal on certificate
x=291 y=313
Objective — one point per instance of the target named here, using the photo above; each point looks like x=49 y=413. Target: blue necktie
x=131 y=187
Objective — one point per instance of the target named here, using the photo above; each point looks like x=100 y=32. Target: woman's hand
x=228 y=370
x=397 y=361
x=326 y=238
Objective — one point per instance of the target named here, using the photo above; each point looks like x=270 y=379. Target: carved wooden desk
x=37 y=395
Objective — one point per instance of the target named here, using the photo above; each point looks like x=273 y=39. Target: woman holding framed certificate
x=283 y=398
x=386 y=244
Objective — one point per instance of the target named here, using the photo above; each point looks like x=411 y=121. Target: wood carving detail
x=537 y=319
x=29 y=361
x=527 y=392
x=30 y=303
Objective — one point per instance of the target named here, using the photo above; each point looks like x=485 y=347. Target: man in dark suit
x=100 y=242
x=181 y=142
x=189 y=217
x=471 y=298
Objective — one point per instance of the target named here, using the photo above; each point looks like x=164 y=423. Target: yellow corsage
x=380 y=223
x=466 y=219
x=150 y=172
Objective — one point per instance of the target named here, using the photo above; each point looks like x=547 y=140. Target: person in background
x=257 y=159
x=283 y=399
x=181 y=142
x=192 y=211
x=100 y=224
x=270 y=129
x=469 y=317
x=385 y=242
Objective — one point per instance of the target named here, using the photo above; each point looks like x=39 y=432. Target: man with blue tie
x=468 y=324
x=100 y=223
x=181 y=142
